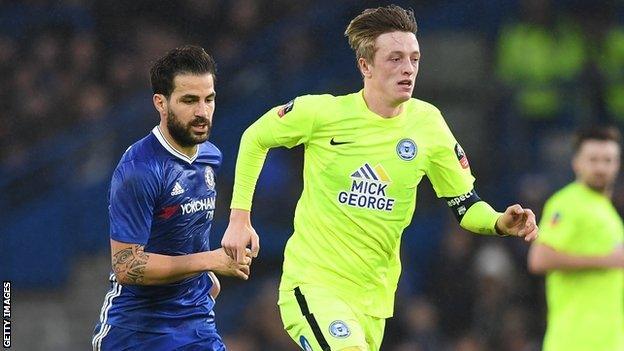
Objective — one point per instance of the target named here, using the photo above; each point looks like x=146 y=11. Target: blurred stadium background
x=512 y=77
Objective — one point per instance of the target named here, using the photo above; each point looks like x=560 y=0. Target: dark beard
x=182 y=134
x=600 y=188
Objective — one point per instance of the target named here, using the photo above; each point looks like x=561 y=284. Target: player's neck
x=380 y=106
x=189 y=151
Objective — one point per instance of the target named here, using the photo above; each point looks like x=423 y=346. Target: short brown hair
x=188 y=59
x=371 y=23
x=601 y=133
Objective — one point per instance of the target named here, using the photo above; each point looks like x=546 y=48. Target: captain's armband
x=460 y=204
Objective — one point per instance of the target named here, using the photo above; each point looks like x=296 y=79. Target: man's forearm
x=134 y=266
x=543 y=258
x=251 y=157
x=480 y=219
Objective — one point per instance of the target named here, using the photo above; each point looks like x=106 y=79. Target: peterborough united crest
x=209 y=177
x=339 y=329
x=406 y=149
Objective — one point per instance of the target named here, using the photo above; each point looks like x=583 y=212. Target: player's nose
x=202 y=110
x=408 y=69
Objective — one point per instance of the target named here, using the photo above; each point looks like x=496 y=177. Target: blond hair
x=364 y=29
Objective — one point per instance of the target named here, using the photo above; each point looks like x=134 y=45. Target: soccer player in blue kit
x=162 y=201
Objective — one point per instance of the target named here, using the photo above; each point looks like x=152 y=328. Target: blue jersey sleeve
x=133 y=194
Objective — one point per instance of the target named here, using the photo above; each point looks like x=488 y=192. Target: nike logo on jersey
x=332 y=142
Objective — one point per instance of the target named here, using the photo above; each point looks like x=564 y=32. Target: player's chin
x=199 y=138
x=598 y=185
x=403 y=95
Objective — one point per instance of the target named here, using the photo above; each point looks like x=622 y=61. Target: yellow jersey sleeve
x=288 y=125
x=448 y=171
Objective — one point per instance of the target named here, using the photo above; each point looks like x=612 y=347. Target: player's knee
x=354 y=348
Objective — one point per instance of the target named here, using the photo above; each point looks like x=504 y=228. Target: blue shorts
x=114 y=338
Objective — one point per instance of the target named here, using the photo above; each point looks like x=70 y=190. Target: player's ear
x=160 y=103
x=575 y=163
x=365 y=67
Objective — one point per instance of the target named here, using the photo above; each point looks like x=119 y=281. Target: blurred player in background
x=162 y=201
x=580 y=251
x=365 y=154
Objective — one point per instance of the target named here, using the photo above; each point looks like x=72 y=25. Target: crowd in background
x=514 y=79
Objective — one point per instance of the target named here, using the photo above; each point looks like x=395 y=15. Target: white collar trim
x=163 y=141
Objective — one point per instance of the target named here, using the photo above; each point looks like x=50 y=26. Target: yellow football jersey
x=361 y=172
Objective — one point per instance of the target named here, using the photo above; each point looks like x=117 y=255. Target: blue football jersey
x=164 y=200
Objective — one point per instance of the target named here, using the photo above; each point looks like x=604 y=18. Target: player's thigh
x=319 y=321
x=107 y=337
x=203 y=340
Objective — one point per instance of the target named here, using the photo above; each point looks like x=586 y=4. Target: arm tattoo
x=131 y=262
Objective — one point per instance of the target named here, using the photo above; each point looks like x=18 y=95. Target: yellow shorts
x=318 y=320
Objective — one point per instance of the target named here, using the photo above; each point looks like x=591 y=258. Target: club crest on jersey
x=209 y=178
x=461 y=156
x=368 y=189
x=339 y=329
x=286 y=108
x=406 y=149
x=305 y=344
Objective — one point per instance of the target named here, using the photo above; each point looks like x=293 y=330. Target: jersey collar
x=163 y=141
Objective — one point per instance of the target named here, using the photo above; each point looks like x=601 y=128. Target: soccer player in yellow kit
x=365 y=154
x=580 y=250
